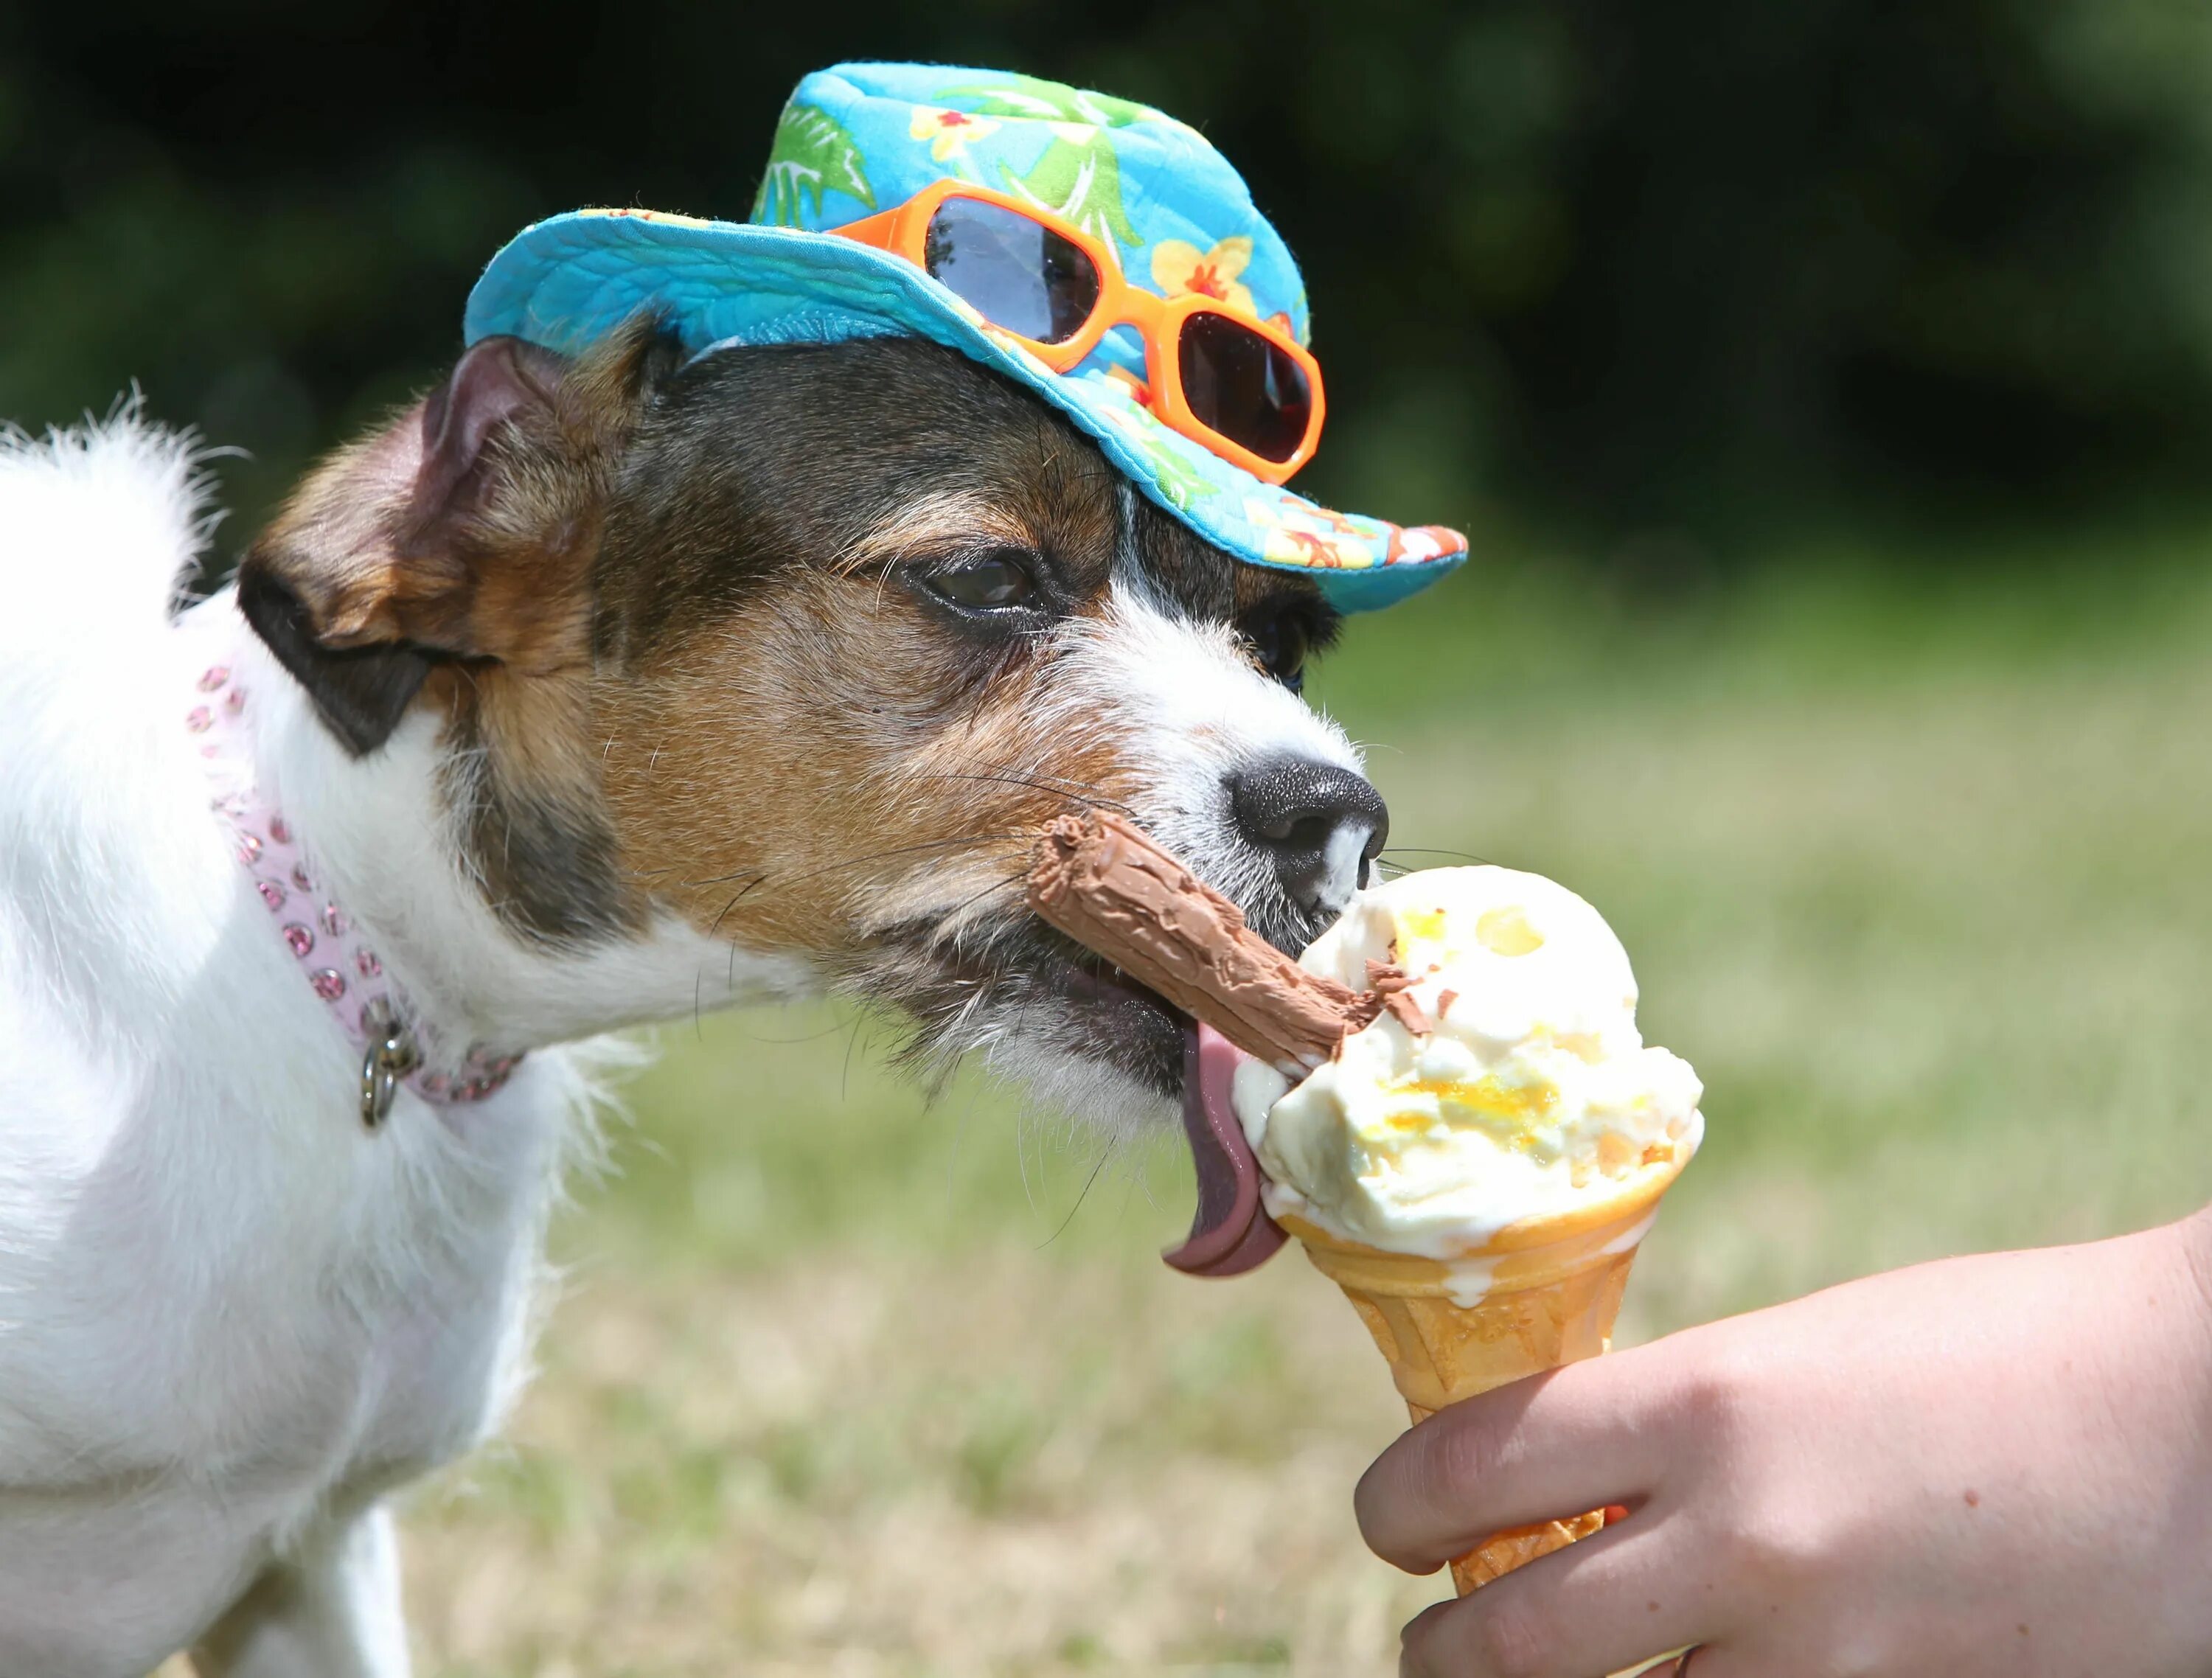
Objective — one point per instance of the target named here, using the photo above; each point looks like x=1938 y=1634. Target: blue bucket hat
x=860 y=138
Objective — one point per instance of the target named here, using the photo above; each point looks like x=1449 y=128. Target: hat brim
x=568 y=281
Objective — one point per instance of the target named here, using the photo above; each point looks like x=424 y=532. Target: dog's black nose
x=1320 y=824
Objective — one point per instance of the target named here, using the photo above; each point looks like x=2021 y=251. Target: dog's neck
x=384 y=845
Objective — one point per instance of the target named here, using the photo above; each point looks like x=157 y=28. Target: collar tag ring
x=390 y=1056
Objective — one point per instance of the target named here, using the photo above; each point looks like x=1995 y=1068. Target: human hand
x=1990 y=1465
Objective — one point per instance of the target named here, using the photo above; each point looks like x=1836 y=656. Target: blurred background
x=1828 y=389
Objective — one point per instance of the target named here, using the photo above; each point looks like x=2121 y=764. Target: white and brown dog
x=591 y=693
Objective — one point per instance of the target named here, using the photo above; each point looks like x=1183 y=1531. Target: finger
x=1610 y=1602
x=1544 y=1449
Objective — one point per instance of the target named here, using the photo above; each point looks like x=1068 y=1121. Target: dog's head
x=801 y=644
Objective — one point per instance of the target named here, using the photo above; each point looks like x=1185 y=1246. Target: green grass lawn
x=843 y=1383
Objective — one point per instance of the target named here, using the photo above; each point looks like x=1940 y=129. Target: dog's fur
x=599 y=692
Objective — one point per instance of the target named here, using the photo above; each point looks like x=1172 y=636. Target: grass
x=841 y=1384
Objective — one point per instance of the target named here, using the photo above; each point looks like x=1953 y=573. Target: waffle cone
x=1540 y=1293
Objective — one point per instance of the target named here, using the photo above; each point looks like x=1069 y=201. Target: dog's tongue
x=1232 y=1232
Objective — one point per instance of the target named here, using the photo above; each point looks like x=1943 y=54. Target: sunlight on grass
x=845 y=1383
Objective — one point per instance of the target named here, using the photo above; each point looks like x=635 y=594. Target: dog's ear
x=462 y=531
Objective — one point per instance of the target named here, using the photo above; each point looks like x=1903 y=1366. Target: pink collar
x=340 y=966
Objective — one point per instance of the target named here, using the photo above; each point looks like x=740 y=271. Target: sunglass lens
x=1017 y=273
x=1244 y=386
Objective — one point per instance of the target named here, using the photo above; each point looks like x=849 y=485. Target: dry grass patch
x=1003 y=1466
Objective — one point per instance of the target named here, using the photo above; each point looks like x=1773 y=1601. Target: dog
x=596 y=690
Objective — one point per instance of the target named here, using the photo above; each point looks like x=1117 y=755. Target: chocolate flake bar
x=1103 y=882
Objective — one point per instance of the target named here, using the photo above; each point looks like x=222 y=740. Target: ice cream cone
x=1541 y=1293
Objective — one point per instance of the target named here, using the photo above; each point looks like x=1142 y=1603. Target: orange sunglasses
x=1244 y=389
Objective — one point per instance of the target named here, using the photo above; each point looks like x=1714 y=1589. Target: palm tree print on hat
x=812 y=154
x=1079 y=176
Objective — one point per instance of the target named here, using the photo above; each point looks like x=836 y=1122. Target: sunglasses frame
x=903 y=231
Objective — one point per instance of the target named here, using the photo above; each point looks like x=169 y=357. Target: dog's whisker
x=1082 y=1195
x=1013 y=768
x=930 y=845
x=1033 y=776
x=845 y=1065
x=733 y=904
x=867 y=857
x=1044 y=784
x=711 y=879
x=966 y=904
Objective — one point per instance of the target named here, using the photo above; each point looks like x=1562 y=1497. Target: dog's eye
x=990 y=581
x=1281 y=640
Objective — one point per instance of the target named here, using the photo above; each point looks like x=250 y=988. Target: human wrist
x=2186 y=1249
x=2179 y=1254
x=2185 y=1338
x=2193 y=1235
x=2189 y=1545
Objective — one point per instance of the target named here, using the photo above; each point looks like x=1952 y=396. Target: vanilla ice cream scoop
x=1507 y=1080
